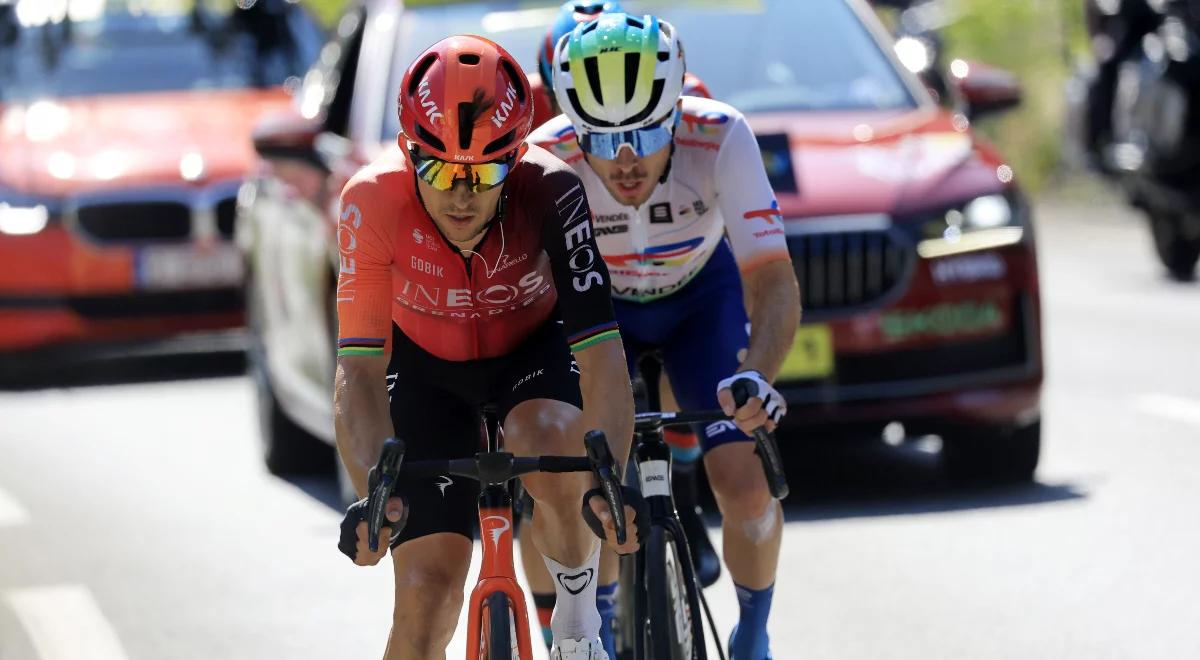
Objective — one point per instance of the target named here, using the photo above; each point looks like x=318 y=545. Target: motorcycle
x=1148 y=83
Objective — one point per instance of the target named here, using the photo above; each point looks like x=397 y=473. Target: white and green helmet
x=618 y=72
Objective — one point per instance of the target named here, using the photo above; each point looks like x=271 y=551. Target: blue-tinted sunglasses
x=643 y=141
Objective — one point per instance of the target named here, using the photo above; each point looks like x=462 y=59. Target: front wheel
x=499 y=639
x=673 y=621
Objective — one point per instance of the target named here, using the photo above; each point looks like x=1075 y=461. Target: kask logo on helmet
x=505 y=106
x=432 y=113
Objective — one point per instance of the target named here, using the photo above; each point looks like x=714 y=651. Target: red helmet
x=466 y=100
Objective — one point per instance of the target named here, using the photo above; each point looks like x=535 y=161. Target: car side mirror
x=288 y=136
x=985 y=89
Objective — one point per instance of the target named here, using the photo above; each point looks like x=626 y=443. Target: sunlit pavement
x=136 y=520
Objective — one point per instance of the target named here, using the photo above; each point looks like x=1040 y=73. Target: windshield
x=784 y=55
x=757 y=55
x=130 y=46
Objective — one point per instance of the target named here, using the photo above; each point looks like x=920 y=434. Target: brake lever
x=380 y=482
x=764 y=442
x=604 y=467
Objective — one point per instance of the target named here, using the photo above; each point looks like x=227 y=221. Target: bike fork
x=497 y=572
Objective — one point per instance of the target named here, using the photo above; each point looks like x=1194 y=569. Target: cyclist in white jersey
x=685 y=218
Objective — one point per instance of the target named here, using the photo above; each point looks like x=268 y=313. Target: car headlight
x=913 y=54
x=23 y=220
x=982 y=223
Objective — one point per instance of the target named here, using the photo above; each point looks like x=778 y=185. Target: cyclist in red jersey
x=469 y=276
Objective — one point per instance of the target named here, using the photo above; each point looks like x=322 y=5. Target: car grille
x=133 y=221
x=226 y=212
x=845 y=270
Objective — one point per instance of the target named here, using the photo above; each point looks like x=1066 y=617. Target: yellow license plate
x=811 y=355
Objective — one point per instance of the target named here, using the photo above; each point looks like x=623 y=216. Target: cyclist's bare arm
x=362 y=420
x=361 y=417
x=607 y=395
x=773 y=302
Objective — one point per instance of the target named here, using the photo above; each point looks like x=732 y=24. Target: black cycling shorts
x=435 y=407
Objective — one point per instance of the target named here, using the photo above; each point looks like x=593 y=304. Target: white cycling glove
x=757 y=386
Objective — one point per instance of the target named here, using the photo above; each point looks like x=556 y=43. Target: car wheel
x=989 y=454
x=1178 y=252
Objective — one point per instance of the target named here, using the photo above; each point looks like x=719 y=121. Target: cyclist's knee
x=438 y=596
x=735 y=474
x=430 y=573
x=558 y=493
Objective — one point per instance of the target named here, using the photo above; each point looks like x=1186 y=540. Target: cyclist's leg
x=433 y=411
x=539 y=401
x=430 y=572
x=704 y=350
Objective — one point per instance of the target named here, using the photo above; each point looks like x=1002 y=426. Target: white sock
x=575 y=615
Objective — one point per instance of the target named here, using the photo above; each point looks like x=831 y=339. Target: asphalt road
x=137 y=522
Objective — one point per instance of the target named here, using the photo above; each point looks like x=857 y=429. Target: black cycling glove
x=356 y=513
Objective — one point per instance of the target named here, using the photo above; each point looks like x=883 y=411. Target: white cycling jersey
x=716 y=186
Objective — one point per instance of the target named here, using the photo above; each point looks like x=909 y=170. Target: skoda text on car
x=912 y=243
x=125 y=133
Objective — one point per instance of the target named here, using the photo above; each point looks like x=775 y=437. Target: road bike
x=498 y=623
x=659 y=599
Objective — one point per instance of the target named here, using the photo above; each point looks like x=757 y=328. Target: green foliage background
x=1035 y=39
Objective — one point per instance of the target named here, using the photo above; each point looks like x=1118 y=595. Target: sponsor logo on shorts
x=443 y=484
x=717 y=428
x=528 y=378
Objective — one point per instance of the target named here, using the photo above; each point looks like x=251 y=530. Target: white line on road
x=64 y=623
x=1175 y=408
x=11 y=511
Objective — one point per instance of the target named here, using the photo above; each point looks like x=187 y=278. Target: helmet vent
x=513 y=78
x=429 y=138
x=418 y=73
x=500 y=142
x=468 y=112
x=635 y=23
x=656 y=93
x=588 y=27
x=592 y=67
x=631 y=75
x=663 y=56
x=470 y=59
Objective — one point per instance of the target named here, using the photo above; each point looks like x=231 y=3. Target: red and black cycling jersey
x=537 y=258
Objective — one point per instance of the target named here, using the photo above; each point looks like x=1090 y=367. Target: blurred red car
x=912 y=243
x=125 y=138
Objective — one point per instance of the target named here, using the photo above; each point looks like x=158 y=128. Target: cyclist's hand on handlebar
x=637 y=520
x=354 y=533
x=764 y=407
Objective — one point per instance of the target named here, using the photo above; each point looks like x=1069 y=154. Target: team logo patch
x=661 y=213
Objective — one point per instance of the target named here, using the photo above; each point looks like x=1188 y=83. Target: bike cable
x=712 y=625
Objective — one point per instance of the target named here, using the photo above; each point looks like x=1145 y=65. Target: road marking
x=11 y=511
x=1175 y=408
x=64 y=623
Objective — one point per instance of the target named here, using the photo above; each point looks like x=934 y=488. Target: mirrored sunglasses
x=643 y=141
x=479 y=176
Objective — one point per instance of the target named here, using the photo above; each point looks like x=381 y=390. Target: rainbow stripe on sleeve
x=360 y=346
x=593 y=336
